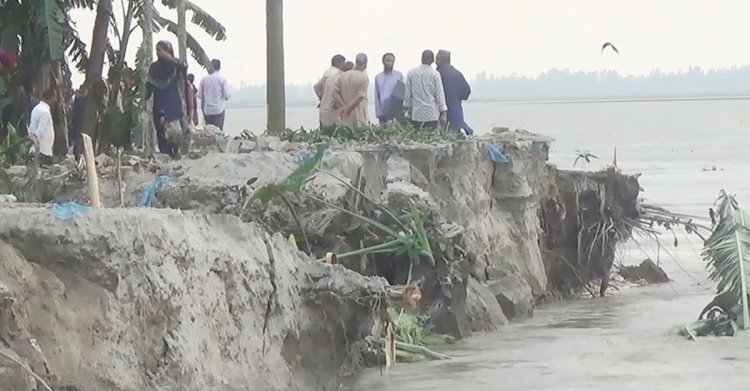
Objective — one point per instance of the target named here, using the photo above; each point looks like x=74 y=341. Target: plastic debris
x=7 y=198
x=68 y=210
x=496 y=154
x=148 y=196
x=301 y=158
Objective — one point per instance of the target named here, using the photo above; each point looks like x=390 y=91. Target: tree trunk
x=275 y=100
x=119 y=66
x=182 y=29
x=96 y=65
x=149 y=132
x=54 y=79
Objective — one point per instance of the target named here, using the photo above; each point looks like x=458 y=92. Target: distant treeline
x=566 y=85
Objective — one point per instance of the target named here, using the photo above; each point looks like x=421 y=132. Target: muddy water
x=628 y=340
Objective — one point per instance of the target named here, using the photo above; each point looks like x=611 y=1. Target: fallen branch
x=414 y=349
x=26 y=367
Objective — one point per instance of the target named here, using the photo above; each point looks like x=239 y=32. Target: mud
x=188 y=296
x=133 y=299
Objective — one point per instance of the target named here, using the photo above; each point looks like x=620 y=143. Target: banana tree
x=141 y=14
x=40 y=33
x=727 y=252
x=727 y=255
x=96 y=66
x=143 y=59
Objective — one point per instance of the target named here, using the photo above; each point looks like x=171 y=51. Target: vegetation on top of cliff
x=405 y=236
x=727 y=255
x=394 y=133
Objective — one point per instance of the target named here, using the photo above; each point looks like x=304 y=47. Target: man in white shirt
x=424 y=97
x=213 y=92
x=41 y=127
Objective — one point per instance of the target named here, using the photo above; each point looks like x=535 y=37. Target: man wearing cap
x=456 y=89
x=351 y=90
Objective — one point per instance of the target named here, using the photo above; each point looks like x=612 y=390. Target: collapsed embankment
x=136 y=299
x=200 y=299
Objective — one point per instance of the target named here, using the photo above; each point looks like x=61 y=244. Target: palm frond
x=139 y=13
x=202 y=19
x=48 y=17
x=111 y=52
x=142 y=62
x=726 y=252
x=78 y=52
x=68 y=4
x=199 y=54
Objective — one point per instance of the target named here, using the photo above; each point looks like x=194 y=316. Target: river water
x=686 y=152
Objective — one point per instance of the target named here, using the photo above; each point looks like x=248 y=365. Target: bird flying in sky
x=610 y=45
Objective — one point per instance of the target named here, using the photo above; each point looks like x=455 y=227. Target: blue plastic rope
x=68 y=210
x=496 y=155
x=148 y=196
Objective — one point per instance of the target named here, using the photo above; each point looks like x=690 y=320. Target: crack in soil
x=274 y=290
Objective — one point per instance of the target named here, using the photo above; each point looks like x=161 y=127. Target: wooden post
x=275 y=98
x=120 y=184
x=390 y=345
x=149 y=132
x=92 y=178
x=182 y=29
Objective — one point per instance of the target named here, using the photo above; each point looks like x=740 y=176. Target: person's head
x=49 y=96
x=428 y=57
x=164 y=47
x=388 y=60
x=216 y=64
x=338 y=61
x=360 y=62
x=191 y=78
x=443 y=58
x=348 y=66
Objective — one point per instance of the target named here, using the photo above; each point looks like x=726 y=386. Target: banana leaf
x=293 y=183
x=726 y=254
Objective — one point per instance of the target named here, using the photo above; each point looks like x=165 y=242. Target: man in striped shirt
x=424 y=98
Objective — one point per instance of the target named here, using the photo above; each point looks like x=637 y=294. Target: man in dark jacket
x=456 y=89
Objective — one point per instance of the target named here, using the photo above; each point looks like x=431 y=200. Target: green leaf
x=726 y=252
x=292 y=241
x=48 y=18
x=294 y=181
x=197 y=51
x=202 y=19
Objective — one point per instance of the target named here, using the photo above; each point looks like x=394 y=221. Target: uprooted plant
x=405 y=236
x=727 y=255
x=412 y=338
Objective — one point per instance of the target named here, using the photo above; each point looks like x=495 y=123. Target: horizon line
x=492 y=76
x=677 y=98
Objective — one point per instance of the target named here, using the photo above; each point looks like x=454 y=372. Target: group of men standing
x=427 y=98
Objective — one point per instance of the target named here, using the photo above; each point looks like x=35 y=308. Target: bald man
x=351 y=89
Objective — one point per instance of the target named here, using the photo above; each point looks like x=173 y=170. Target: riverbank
x=483 y=218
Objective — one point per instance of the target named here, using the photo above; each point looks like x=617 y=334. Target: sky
x=501 y=37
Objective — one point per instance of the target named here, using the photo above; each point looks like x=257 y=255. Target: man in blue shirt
x=388 y=103
x=456 y=89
